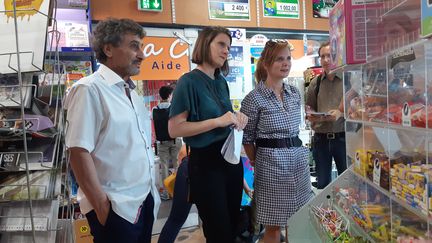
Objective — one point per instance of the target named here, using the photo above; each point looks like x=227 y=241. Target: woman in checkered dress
x=282 y=180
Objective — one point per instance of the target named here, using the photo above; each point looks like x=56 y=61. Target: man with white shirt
x=108 y=139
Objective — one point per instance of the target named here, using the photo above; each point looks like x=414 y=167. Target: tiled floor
x=164 y=211
x=190 y=235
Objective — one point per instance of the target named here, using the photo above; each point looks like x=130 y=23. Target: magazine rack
x=33 y=184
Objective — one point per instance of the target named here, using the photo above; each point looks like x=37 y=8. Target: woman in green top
x=201 y=113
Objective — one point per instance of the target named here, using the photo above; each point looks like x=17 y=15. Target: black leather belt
x=279 y=143
x=330 y=135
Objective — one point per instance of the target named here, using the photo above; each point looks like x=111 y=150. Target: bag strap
x=318 y=85
x=319 y=79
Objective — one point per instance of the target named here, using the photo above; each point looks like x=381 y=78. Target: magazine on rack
x=41 y=154
x=13 y=185
x=10 y=90
x=16 y=216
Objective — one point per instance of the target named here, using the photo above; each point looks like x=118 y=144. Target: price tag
x=9 y=160
x=406 y=115
x=287 y=8
x=377 y=172
x=357 y=160
x=236 y=8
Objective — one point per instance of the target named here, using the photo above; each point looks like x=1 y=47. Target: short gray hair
x=111 y=31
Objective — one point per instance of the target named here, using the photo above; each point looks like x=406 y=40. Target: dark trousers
x=324 y=151
x=180 y=206
x=216 y=189
x=119 y=230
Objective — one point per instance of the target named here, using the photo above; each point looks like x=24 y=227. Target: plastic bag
x=169 y=184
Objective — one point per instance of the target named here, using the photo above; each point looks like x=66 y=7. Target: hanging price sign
x=229 y=9
x=281 y=9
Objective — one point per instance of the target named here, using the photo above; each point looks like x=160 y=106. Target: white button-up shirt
x=102 y=120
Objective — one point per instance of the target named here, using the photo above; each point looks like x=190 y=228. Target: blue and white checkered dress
x=282 y=177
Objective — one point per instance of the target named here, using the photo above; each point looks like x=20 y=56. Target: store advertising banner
x=288 y=9
x=237 y=62
x=257 y=43
x=321 y=8
x=238 y=36
x=166 y=58
x=229 y=9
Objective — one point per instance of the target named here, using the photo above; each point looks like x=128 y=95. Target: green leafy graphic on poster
x=426 y=18
x=281 y=9
x=229 y=9
x=321 y=8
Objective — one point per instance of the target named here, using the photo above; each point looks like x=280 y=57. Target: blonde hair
x=268 y=57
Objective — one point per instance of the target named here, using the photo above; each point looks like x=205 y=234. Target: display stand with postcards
x=385 y=195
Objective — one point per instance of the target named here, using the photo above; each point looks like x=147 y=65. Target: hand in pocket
x=103 y=211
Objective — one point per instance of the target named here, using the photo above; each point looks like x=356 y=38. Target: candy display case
x=406 y=85
x=390 y=25
x=314 y=222
x=366 y=207
x=386 y=193
x=374 y=95
x=408 y=226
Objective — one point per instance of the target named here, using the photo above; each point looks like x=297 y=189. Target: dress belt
x=331 y=135
x=279 y=142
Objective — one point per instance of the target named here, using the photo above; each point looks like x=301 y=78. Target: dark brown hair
x=268 y=57
x=165 y=92
x=325 y=44
x=111 y=31
x=201 y=52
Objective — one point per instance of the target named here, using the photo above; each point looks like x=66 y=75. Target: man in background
x=324 y=95
x=167 y=148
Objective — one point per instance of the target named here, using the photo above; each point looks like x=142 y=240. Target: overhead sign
x=281 y=9
x=229 y=9
x=150 y=5
x=166 y=58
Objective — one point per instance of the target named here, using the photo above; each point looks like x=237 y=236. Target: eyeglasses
x=271 y=43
